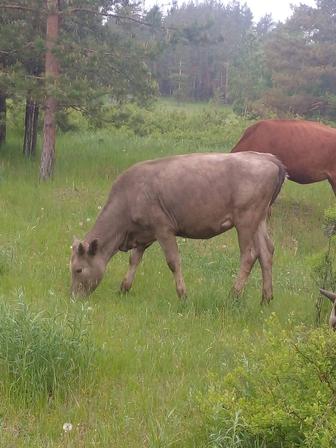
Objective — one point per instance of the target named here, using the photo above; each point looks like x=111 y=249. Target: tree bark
x=31 y=120
x=3 y=113
x=51 y=73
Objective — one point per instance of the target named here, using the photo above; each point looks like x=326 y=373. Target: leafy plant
x=324 y=269
x=282 y=392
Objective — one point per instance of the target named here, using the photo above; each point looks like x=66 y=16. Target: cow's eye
x=79 y=270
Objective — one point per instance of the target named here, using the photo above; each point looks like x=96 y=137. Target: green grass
x=153 y=354
x=43 y=356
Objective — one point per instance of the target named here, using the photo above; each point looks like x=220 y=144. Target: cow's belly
x=205 y=230
x=305 y=175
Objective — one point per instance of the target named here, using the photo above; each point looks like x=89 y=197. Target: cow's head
x=332 y=297
x=87 y=267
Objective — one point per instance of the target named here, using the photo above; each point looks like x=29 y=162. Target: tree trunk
x=180 y=75
x=226 y=90
x=3 y=113
x=51 y=73
x=31 y=119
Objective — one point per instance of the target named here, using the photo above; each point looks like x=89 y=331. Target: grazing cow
x=306 y=148
x=192 y=196
x=332 y=297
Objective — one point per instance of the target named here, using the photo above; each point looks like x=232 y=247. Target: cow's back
x=199 y=192
x=307 y=149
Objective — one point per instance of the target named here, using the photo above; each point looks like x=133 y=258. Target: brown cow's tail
x=281 y=178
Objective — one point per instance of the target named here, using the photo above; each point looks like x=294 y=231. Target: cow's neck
x=109 y=229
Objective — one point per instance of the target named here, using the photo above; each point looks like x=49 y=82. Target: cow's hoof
x=266 y=300
x=234 y=294
x=182 y=293
x=124 y=287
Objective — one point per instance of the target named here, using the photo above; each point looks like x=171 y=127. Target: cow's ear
x=81 y=249
x=78 y=247
x=331 y=295
x=93 y=247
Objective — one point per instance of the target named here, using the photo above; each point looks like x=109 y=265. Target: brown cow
x=306 y=148
x=193 y=196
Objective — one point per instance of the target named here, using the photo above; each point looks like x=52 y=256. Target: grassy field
x=145 y=359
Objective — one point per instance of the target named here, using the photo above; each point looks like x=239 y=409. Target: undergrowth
x=281 y=392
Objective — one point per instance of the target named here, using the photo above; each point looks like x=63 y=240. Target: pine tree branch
x=108 y=14
x=16 y=50
x=17 y=7
x=116 y=16
x=91 y=11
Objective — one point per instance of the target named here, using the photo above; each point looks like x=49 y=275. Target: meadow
x=139 y=370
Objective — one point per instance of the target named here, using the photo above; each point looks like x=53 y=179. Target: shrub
x=209 y=126
x=323 y=265
x=42 y=355
x=282 y=392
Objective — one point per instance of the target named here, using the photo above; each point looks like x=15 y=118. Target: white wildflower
x=67 y=427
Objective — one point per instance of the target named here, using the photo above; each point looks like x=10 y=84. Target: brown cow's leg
x=332 y=181
x=134 y=261
x=266 y=250
x=169 y=246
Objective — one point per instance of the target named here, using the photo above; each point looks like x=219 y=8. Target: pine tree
x=202 y=52
x=85 y=59
x=301 y=56
x=50 y=106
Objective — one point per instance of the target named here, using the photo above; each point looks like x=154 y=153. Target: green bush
x=323 y=263
x=216 y=126
x=330 y=222
x=282 y=392
x=42 y=355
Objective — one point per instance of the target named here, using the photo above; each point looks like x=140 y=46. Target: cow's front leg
x=134 y=261
x=169 y=246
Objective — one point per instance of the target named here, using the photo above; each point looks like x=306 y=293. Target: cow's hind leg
x=248 y=256
x=265 y=255
x=168 y=244
x=134 y=261
x=332 y=181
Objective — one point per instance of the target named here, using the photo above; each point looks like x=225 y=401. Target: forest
x=86 y=55
x=87 y=89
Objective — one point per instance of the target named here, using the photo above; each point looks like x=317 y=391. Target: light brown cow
x=306 y=148
x=193 y=196
x=332 y=297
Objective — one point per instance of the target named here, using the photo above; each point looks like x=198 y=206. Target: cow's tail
x=282 y=174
